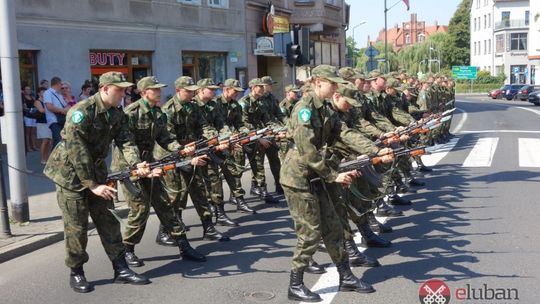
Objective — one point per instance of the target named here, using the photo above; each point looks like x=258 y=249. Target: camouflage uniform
x=149 y=126
x=77 y=164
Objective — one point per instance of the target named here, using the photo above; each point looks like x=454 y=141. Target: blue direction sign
x=371 y=65
x=464 y=72
x=371 y=51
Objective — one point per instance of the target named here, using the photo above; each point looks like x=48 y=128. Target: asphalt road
x=475 y=225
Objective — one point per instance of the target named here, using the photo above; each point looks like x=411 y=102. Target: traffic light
x=306 y=45
x=294 y=54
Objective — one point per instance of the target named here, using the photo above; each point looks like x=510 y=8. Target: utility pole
x=9 y=60
x=385 y=38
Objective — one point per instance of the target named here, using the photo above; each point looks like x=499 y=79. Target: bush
x=476 y=87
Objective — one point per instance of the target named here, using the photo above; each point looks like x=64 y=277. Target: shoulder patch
x=242 y=103
x=77 y=117
x=304 y=115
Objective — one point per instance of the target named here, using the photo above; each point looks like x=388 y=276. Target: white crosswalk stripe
x=482 y=153
x=528 y=152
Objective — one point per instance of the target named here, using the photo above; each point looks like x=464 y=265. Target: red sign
x=107 y=58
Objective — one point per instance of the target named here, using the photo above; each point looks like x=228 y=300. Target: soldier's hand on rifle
x=399 y=129
x=265 y=143
x=222 y=147
x=104 y=191
x=200 y=160
x=404 y=138
x=384 y=151
x=346 y=178
x=281 y=135
x=188 y=150
x=387 y=135
x=143 y=169
x=156 y=172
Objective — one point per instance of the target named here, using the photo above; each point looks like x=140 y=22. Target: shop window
x=199 y=65
x=218 y=3
x=27 y=69
x=518 y=41
x=133 y=64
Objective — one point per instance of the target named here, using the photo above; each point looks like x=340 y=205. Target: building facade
x=500 y=36
x=534 y=42
x=410 y=32
x=80 y=39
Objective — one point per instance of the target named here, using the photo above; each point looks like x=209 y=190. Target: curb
x=36 y=242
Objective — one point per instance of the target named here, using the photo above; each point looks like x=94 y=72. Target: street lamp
x=354 y=40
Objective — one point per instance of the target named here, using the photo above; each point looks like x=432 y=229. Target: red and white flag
x=407 y=4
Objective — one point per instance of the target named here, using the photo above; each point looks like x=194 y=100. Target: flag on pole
x=407 y=4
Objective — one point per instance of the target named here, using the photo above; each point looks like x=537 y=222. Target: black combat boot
x=397 y=200
x=376 y=225
x=131 y=259
x=357 y=258
x=242 y=206
x=211 y=233
x=122 y=274
x=414 y=182
x=384 y=210
x=222 y=218
x=179 y=217
x=370 y=238
x=349 y=282
x=163 y=238
x=78 y=282
x=255 y=190
x=279 y=189
x=298 y=291
x=187 y=252
x=314 y=267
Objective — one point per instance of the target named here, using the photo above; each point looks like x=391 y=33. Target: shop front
x=133 y=64
x=199 y=65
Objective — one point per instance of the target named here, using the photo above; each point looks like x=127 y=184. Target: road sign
x=371 y=65
x=464 y=72
x=371 y=51
x=515 y=70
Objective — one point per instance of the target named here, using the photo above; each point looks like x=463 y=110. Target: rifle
x=365 y=165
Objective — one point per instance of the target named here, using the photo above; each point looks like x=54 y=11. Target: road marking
x=530 y=110
x=528 y=152
x=498 y=131
x=439 y=153
x=462 y=120
x=482 y=153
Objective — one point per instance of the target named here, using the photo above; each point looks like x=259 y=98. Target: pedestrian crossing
x=484 y=150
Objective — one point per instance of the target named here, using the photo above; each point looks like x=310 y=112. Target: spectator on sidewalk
x=29 y=111
x=56 y=109
x=44 y=84
x=66 y=93
x=43 y=132
x=85 y=91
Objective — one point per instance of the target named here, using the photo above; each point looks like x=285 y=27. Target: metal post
x=293 y=74
x=385 y=38
x=9 y=60
x=5 y=231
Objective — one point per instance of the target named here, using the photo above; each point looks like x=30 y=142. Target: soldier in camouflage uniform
x=187 y=124
x=233 y=168
x=149 y=126
x=77 y=167
x=257 y=115
x=286 y=106
x=312 y=128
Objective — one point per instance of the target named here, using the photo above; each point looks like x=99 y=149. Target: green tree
x=456 y=50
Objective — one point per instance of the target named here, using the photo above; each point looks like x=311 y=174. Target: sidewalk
x=45 y=226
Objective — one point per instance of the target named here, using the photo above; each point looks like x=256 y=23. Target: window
x=485 y=21
x=489 y=20
x=477 y=3
x=200 y=65
x=194 y=2
x=479 y=48
x=505 y=19
x=475 y=48
x=219 y=3
x=499 y=43
x=421 y=37
x=489 y=46
x=527 y=18
x=332 y=2
x=474 y=24
x=407 y=39
x=485 y=47
x=486 y=2
x=518 y=41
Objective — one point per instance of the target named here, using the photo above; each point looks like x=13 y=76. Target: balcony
x=511 y=24
x=312 y=12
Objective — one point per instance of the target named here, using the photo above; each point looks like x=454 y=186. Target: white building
x=499 y=38
x=534 y=41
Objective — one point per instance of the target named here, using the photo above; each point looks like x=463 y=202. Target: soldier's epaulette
x=131 y=107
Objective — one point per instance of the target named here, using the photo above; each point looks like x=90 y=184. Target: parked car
x=534 y=98
x=511 y=92
x=505 y=88
x=496 y=94
x=523 y=93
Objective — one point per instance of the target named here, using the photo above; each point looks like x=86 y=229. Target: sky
x=372 y=12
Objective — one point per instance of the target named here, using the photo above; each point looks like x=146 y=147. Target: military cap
x=375 y=74
x=185 y=82
x=233 y=83
x=268 y=80
x=149 y=82
x=327 y=72
x=348 y=73
x=207 y=83
x=348 y=91
x=255 y=82
x=115 y=78
x=392 y=83
x=291 y=87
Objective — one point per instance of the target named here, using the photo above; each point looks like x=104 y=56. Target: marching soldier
x=149 y=126
x=77 y=167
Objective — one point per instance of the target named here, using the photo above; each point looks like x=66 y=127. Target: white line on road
x=530 y=110
x=528 y=152
x=462 y=120
x=439 y=153
x=498 y=131
x=482 y=153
